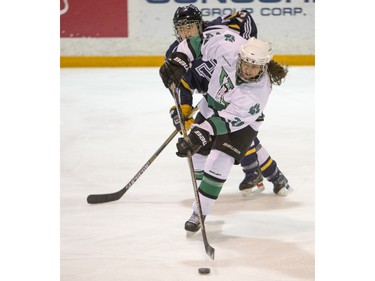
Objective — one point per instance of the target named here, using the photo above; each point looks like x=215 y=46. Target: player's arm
x=234 y=117
x=243 y=23
x=185 y=94
x=240 y=22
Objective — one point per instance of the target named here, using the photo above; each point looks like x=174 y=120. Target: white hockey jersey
x=228 y=105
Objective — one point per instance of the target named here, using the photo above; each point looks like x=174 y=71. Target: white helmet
x=255 y=51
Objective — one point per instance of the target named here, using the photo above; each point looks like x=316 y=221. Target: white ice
x=112 y=121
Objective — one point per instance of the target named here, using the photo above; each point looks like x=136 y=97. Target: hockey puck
x=204 y=270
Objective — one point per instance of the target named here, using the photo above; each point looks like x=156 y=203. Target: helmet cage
x=185 y=17
x=187 y=25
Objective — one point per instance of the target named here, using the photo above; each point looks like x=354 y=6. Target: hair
x=276 y=72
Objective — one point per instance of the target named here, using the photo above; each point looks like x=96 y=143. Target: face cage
x=186 y=22
x=250 y=80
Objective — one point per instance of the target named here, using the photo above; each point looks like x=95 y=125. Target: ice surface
x=112 y=121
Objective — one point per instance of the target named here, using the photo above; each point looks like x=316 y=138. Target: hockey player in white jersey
x=237 y=95
x=257 y=163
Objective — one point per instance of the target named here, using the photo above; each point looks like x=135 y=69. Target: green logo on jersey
x=207 y=37
x=237 y=122
x=254 y=109
x=229 y=37
x=225 y=85
x=225 y=79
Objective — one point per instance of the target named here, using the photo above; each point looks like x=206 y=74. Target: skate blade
x=254 y=190
x=190 y=234
x=285 y=191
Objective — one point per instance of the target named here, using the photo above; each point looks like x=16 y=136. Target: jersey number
x=236 y=122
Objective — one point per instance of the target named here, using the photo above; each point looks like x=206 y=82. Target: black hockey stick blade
x=108 y=197
x=104 y=198
x=209 y=250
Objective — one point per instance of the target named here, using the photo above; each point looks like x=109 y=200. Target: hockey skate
x=280 y=185
x=193 y=224
x=252 y=183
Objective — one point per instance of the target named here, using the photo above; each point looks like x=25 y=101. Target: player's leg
x=270 y=170
x=216 y=170
x=253 y=181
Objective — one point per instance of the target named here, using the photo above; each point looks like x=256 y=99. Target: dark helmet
x=185 y=15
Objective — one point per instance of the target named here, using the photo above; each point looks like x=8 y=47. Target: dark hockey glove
x=174 y=68
x=193 y=142
x=186 y=111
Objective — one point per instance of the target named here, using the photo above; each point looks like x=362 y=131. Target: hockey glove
x=174 y=68
x=193 y=142
x=185 y=110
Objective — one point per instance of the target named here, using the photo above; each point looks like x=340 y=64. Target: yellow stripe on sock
x=251 y=151
x=265 y=166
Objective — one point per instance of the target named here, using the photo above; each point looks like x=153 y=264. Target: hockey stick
x=209 y=250
x=108 y=197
